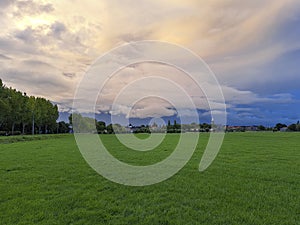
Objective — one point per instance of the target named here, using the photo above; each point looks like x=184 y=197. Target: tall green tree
x=101 y=127
x=32 y=110
x=110 y=129
x=50 y=119
x=26 y=112
x=15 y=114
x=4 y=104
x=41 y=113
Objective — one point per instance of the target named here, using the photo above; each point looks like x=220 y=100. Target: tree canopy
x=18 y=111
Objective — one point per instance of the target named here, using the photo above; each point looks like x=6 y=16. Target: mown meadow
x=254 y=180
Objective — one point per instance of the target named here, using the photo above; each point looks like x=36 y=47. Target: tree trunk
x=23 y=129
x=32 y=124
x=12 y=129
x=46 y=129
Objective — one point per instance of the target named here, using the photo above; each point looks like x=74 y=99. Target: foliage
x=142 y=129
x=63 y=127
x=175 y=128
x=101 y=127
x=294 y=127
x=261 y=128
x=278 y=126
x=82 y=124
x=17 y=110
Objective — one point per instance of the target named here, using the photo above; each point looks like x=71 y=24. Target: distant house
x=129 y=129
x=251 y=128
x=283 y=129
x=241 y=128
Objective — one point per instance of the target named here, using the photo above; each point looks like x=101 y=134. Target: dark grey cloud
x=58 y=28
x=280 y=75
x=35 y=83
x=17 y=46
x=37 y=38
x=69 y=75
x=4 y=57
x=46 y=8
x=31 y=7
x=38 y=63
x=27 y=35
x=267 y=114
x=37 y=35
x=6 y=3
x=139 y=36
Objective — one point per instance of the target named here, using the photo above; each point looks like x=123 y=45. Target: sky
x=252 y=47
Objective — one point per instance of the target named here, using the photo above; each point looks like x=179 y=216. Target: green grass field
x=254 y=180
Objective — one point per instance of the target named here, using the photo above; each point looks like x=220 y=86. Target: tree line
x=83 y=124
x=87 y=125
x=22 y=114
